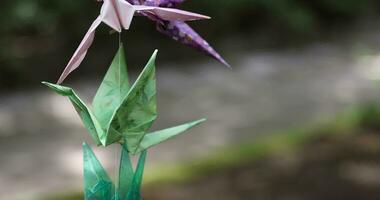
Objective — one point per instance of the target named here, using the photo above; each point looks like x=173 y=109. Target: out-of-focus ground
x=331 y=163
x=267 y=90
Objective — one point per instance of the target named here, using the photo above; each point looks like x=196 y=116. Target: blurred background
x=297 y=116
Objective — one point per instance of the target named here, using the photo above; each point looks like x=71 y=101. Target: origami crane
x=122 y=113
x=118 y=14
x=178 y=29
x=98 y=185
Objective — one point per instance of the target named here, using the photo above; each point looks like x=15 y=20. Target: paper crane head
x=122 y=113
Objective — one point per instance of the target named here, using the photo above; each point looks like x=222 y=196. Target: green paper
x=88 y=118
x=99 y=186
x=134 y=192
x=137 y=112
x=157 y=137
x=122 y=113
x=125 y=173
x=113 y=89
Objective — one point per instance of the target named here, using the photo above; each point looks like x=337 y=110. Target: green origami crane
x=98 y=185
x=123 y=113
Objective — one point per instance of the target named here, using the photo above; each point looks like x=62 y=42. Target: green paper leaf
x=125 y=173
x=137 y=112
x=134 y=192
x=88 y=118
x=113 y=89
x=157 y=137
x=97 y=183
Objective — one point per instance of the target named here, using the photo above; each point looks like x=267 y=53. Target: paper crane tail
x=183 y=33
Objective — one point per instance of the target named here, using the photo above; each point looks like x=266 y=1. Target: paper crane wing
x=113 y=89
x=183 y=33
x=157 y=137
x=170 y=13
x=88 y=118
x=178 y=29
x=137 y=111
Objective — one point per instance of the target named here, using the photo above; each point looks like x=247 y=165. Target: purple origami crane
x=118 y=14
x=178 y=29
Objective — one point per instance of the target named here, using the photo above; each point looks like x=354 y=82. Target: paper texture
x=123 y=113
x=179 y=30
x=98 y=184
x=118 y=15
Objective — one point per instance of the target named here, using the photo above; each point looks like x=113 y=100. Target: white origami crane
x=118 y=14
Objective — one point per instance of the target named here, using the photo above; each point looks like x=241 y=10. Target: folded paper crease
x=118 y=15
x=98 y=184
x=123 y=113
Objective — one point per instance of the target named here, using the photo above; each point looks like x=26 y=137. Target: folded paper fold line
x=98 y=184
x=123 y=113
x=179 y=30
x=118 y=15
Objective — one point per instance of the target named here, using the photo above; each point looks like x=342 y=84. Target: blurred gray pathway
x=41 y=135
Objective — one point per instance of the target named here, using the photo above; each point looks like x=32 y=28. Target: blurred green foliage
x=370 y=117
x=40 y=36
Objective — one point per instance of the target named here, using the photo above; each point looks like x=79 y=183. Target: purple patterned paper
x=183 y=33
x=178 y=30
x=163 y=3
